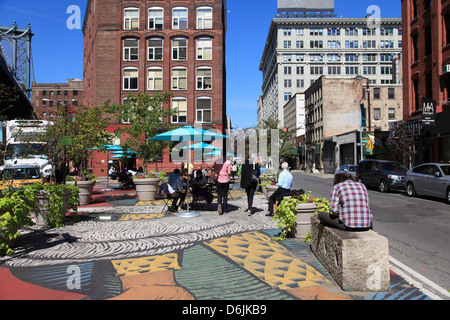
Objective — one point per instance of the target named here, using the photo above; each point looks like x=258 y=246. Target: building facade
x=333 y=108
x=46 y=97
x=426 y=78
x=157 y=46
x=300 y=50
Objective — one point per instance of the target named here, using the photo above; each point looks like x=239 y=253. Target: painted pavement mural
x=139 y=255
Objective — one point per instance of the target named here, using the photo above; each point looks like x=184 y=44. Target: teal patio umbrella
x=188 y=133
x=216 y=153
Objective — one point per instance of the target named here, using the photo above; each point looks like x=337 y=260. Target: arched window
x=180 y=18
x=131 y=19
x=204 y=18
x=156 y=18
x=155 y=78
x=130 y=78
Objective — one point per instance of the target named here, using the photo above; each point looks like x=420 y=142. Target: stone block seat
x=357 y=261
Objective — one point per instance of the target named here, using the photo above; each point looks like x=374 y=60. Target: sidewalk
x=125 y=249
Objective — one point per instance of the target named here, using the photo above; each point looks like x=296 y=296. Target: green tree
x=287 y=148
x=400 y=144
x=75 y=136
x=147 y=117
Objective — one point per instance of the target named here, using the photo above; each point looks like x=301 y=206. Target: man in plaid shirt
x=349 y=204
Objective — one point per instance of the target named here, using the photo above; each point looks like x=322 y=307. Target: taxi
x=20 y=176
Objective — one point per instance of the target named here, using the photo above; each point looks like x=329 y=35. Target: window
x=131 y=19
x=315 y=32
x=386 y=57
x=369 y=70
x=287 y=83
x=300 y=70
x=130 y=79
x=287 y=32
x=179 y=78
x=428 y=42
x=334 y=70
x=351 y=57
x=180 y=19
x=376 y=93
x=369 y=57
x=334 y=44
x=386 y=70
x=369 y=44
x=386 y=44
x=204 y=78
x=334 y=31
x=299 y=44
x=415 y=40
x=351 y=70
x=130 y=49
x=391 y=94
x=316 y=44
x=287 y=44
x=377 y=114
x=315 y=57
x=179 y=105
x=179 y=49
x=447 y=28
x=204 y=49
x=204 y=110
x=287 y=70
x=334 y=57
x=204 y=18
x=351 y=44
x=316 y=70
x=155 y=79
x=351 y=31
x=155 y=18
x=287 y=96
x=155 y=49
x=391 y=113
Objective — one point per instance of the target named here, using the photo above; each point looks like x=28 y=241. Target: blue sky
x=58 y=50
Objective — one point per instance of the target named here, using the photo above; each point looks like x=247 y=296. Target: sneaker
x=269 y=214
x=220 y=209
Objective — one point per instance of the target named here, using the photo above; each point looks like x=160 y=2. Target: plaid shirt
x=350 y=200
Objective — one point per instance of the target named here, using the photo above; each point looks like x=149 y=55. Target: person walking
x=249 y=181
x=349 y=206
x=223 y=170
x=284 y=184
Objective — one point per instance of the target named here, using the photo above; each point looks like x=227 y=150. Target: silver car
x=348 y=168
x=430 y=179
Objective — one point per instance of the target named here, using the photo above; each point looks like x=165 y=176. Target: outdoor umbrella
x=219 y=153
x=188 y=133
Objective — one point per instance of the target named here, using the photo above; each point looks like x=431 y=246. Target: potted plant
x=294 y=215
x=52 y=203
x=14 y=214
x=268 y=185
x=86 y=185
x=147 y=185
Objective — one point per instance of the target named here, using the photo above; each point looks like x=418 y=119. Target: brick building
x=155 y=46
x=46 y=96
x=332 y=108
x=426 y=77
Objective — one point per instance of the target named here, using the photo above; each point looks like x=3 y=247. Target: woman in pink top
x=223 y=170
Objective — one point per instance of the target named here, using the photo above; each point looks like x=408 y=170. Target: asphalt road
x=418 y=230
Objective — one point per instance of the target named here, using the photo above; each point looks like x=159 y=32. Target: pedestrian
x=349 y=206
x=249 y=181
x=284 y=186
x=223 y=170
x=175 y=188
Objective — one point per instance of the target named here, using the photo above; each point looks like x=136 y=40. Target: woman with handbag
x=249 y=181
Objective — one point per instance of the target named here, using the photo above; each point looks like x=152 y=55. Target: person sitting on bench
x=284 y=186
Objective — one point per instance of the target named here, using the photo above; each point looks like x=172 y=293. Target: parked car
x=348 y=168
x=19 y=176
x=430 y=179
x=383 y=174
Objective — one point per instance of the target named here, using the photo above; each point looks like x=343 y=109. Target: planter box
x=86 y=188
x=304 y=213
x=270 y=189
x=147 y=189
x=40 y=216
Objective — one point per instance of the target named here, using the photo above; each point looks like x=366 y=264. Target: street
x=417 y=229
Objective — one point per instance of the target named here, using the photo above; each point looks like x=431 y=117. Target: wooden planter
x=147 y=189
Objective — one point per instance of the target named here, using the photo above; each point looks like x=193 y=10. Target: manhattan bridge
x=15 y=46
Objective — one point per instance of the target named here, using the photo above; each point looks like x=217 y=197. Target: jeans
x=222 y=194
x=333 y=221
